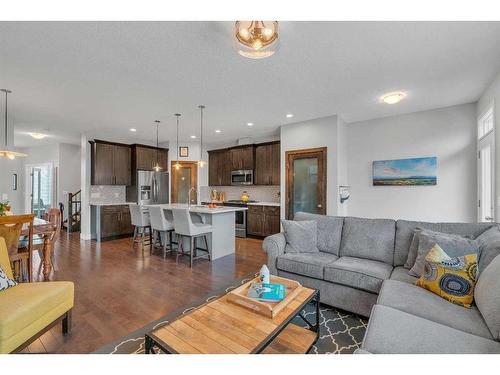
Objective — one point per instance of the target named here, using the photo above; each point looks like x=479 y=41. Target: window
x=486 y=166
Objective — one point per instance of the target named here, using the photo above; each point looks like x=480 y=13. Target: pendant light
x=201 y=162
x=6 y=152
x=177 y=165
x=157 y=167
x=256 y=39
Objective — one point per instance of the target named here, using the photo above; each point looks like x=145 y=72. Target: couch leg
x=66 y=323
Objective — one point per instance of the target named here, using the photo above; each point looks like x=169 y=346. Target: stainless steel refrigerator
x=149 y=187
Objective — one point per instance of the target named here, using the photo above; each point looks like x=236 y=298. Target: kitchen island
x=222 y=240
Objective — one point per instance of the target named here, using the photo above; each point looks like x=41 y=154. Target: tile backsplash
x=258 y=193
x=107 y=194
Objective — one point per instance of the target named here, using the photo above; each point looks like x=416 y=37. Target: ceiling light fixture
x=218 y=130
x=157 y=167
x=177 y=165
x=38 y=135
x=289 y=115
x=256 y=39
x=250 y=123
x=133 y=130
x=201 y=162
x=193 y=137
x=393 y=97
x=6 y=152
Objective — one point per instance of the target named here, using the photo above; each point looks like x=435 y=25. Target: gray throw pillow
x=452 y=244
x=489 y=242
x=412 y=252
x=301 y=236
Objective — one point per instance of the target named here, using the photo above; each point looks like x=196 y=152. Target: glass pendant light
x=201 y=162
x=6 y=151
x=157 y=167
x=177 y=165
x=256 y=39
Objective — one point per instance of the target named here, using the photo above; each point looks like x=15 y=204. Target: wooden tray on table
x=268 y=309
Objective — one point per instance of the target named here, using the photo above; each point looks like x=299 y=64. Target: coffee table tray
x=267 y=309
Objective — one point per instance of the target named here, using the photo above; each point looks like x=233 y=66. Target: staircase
x=72 y=223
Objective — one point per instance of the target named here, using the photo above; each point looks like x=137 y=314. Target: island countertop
x=199 y=209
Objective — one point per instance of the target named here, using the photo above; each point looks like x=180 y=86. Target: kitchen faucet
x=189 y=196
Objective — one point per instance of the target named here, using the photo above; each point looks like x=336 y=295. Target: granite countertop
x=274 y=204
x=199 y=209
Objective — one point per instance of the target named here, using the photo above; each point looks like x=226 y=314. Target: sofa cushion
x=358 y=273
x=453 y=245
x=412 y=251
x=392 y=331
x=307 y=264
x=488 y=296
x=489 y=246
x=301 y=236
x=418 y=301
x=368 y=238
x=401 y=274
x=329 y=230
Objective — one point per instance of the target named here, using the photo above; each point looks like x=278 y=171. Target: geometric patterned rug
x=340 y=332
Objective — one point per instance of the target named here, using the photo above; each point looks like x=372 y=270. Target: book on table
x=267 y=292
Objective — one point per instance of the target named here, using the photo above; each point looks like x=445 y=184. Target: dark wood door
x=306 y=181
x=103 y=173
x=183 y=179
x=271 y=220
x=263 y=164
x=121 y=165
x=225 y=167
x=236 y=159
x=247 y=157
x=275 y=164
x=255 y=220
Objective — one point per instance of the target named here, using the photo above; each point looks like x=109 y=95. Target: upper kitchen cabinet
x=243 y=157
x=267 y=164
x=145 y=157
x=110 y=163
x=219 y=168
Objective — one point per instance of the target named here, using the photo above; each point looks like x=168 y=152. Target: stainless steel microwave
x=242 y=177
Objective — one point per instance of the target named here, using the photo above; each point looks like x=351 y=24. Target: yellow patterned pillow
x=453 y=279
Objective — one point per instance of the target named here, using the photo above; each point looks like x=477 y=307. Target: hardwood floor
x=118 y=290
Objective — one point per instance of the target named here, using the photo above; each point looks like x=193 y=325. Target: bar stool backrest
x=138 y=216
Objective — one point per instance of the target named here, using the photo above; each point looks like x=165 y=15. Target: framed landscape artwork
x=405 y=172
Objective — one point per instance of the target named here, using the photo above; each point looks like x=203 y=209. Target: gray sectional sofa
x=360 y=269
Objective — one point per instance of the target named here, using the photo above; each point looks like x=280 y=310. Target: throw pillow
x=301 y=236
x=489 y=246
x=452 y=244
x=5 y=281
x=412 y=252
x=453 y=279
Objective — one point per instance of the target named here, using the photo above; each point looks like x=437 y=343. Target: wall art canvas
x=405 y=172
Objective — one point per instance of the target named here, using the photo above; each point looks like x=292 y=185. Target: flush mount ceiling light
x=217 y=130
x=133 y=130
x=6 y=150
x=393 y=97
x=38 y=135
x=289 y=115
x=193 y=137
x=256 y=39
x=250 y=123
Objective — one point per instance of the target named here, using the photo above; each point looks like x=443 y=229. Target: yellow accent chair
x=28 y=310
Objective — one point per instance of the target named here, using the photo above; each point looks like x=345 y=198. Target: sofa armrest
x=274 y=246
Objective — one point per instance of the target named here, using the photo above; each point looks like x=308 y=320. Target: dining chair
x=11 y=228
x=54 y=217
x=185 y=227
x=162 y=222
x=142 y=224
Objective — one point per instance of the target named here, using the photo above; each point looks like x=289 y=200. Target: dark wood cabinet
x=144 y=158
x=115 y=221
x=219 y=168
x=111 y=164
x=267 y=164
x=263 y=221
x=242 y=158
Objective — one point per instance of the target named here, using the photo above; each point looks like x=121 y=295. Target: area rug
x=340 y=332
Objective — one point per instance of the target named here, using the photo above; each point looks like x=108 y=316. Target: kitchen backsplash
x=257 y=193
x=107 y=194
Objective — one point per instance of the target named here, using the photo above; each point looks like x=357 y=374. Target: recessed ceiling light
x=289 y=115
x=133 y=130
x=393 y=97
x=38 y=135
x=193 y=136
x=250 y=123
x=217 y=130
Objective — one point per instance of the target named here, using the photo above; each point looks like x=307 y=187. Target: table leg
x=47 y=256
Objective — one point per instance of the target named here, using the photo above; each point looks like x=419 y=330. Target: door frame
x=491 y=134
x=290 y=156
x=27 y=187
x=193 y=166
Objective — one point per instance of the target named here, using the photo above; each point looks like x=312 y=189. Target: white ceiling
x=104 y=78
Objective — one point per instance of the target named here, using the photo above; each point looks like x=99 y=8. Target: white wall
x=320 y=132
x=15 y=197
x=448 y=133
x=69 y=172
x=492 y=96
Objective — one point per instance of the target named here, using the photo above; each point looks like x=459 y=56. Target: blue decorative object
x=405 y=172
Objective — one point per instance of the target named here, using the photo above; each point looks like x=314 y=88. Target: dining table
x=45 y=231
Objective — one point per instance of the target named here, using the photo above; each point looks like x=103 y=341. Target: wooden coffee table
x=220 y=326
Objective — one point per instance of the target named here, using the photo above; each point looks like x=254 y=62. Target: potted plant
x=4 y=208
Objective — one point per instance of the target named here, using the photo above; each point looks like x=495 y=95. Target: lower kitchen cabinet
x=263 y=221
x=115 y=221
